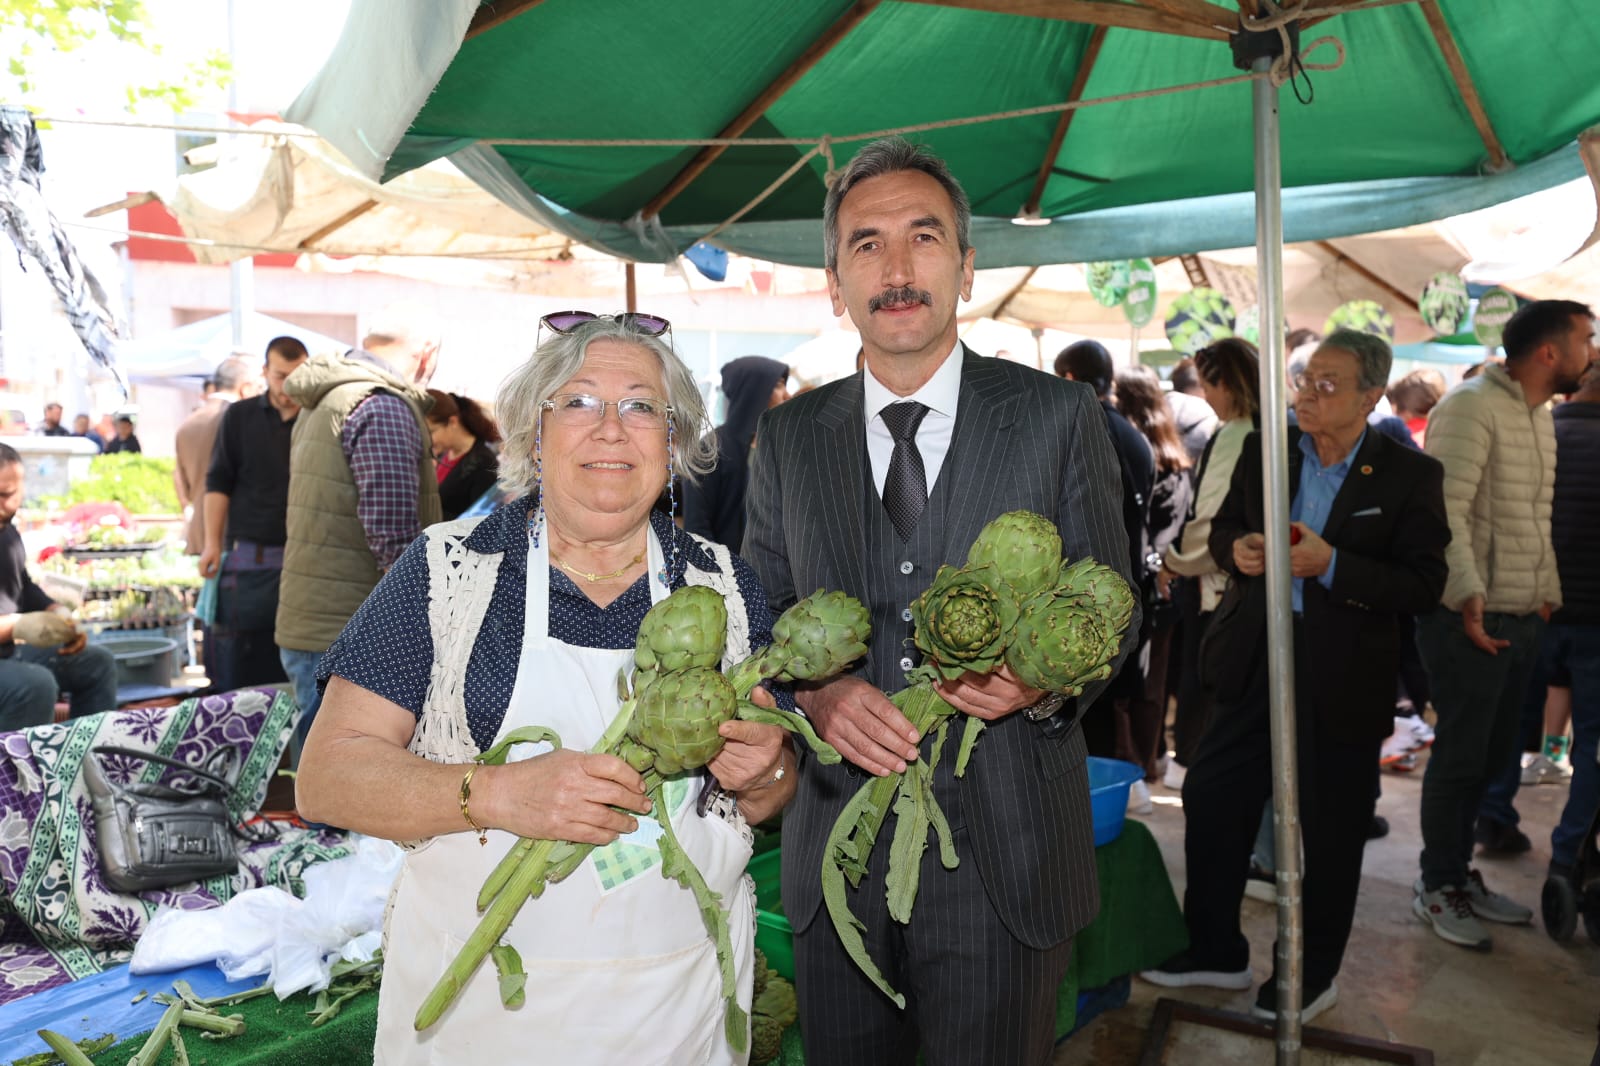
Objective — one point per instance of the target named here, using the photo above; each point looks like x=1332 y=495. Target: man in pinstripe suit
x=868 y=485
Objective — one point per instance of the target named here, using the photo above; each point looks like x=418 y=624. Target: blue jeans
x=32 y=677
x=1478 y=698
x=1499 y=798
x=301 y=666
x=1577 y=649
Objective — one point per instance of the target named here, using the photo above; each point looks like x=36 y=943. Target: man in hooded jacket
x=713 y=507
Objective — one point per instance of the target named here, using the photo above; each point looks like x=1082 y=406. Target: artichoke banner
x=1057 y=625
x=667 y=726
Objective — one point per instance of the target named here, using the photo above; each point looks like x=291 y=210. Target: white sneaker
x=1173 y=778
x=1420 y=729
x=1139 y=799
x=1400 y=743
x=1540 y=769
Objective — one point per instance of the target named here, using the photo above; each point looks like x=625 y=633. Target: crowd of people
x=1435 y=564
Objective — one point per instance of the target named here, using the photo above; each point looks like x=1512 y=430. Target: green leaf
x=910 y=841
x=846 y=924
x=513 y=978
x=528 y=734
x=969 y=740
x=794 y=723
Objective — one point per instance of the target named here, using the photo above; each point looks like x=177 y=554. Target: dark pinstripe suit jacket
x=1022 y=440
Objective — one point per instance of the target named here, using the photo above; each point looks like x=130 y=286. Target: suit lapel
x=1362 y=467
x=842 y=442
x=976 y=463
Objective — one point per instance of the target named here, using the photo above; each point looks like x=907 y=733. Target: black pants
x=1227 y=784
x=1194 y=706
x=242 y=637
x=974 y=993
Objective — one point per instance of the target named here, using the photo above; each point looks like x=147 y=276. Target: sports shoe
x=1261 y=884
x=1173 y=778
x=1492 y=906
x=1540 y=769
x=1498 y=838
x=1420 y=729
x=1312 y=1002
x=1139 y=799
x=1183 y=971
x=1405 y=763
x=1399 y=744
x=1449 y=911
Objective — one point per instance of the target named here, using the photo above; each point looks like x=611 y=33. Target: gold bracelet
x=466 y=797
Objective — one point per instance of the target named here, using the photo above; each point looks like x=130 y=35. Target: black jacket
x=1575 y=513
x=18 y=593
x=713 y=505
x=1388 y=524
x=469 y=479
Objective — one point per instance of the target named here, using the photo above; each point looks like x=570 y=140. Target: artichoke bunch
x=1057 y=626
x=667 y=725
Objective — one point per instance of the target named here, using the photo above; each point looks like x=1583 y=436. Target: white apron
x=621 y=969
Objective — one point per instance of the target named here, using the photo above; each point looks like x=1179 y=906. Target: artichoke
x=686 y=630
x=677 y=718
x=964 y=620
x=1024 y=547
x=814 y=639
x=1067 y=636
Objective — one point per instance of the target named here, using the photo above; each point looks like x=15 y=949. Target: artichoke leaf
x=845 y=923
x=528 y=734
x=791 y=722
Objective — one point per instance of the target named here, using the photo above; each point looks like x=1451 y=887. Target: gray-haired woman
x=525 y=618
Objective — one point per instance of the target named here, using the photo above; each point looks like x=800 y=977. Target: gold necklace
x=618 y=572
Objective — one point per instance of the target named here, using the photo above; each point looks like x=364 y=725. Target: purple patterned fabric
x=383 y=445
x=58 y=919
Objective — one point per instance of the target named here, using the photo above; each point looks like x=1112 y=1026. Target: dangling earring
x=536 y=517
x=668 y=568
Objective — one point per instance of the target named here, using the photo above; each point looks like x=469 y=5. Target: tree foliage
x=32 y=29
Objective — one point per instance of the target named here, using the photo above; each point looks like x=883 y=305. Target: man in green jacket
x=361 y=488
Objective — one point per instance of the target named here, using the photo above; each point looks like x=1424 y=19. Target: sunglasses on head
x=567 y=321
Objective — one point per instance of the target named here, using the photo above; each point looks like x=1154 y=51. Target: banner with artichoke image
x=1055 y=624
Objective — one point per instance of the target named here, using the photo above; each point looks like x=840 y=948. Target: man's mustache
x=899 y=297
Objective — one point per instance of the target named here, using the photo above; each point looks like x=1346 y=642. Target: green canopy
x=1389 y=138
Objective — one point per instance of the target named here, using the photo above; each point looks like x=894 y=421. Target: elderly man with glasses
x=1368 y=536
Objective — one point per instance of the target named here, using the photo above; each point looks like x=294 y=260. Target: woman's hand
x=563 y=795
x=753 y=752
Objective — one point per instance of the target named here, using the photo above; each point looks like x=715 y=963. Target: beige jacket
x=1499 y=461
x=1190 y=554
x=193 y=445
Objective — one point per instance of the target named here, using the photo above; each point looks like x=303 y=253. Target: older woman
x=1230 y=380
x=522 y=619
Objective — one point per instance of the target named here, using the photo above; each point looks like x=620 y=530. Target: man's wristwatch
x=1052 y=702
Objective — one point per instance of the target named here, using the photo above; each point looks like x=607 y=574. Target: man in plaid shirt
x=361 y=487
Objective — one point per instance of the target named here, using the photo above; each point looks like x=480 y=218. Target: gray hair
x=889 y=156
x=562 y=356
x=233 y=372
x=1372 y=353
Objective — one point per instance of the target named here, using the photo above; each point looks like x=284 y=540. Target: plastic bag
x=269 y=931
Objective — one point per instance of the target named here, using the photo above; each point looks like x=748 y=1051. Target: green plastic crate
x=774 y=936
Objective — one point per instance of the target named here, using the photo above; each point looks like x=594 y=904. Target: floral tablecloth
x=59 y=921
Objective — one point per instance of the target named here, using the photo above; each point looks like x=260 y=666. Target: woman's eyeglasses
x=579 y=409
x=567 y=321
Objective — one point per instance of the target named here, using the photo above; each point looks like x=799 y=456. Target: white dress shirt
x=939 y=394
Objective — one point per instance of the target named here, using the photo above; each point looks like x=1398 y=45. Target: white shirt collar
x=939 y=393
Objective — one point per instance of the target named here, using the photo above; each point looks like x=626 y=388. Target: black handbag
x=153 y=835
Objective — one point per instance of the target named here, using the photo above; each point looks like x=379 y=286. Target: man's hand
x=1164 y=580
x=210 y=561
x=75 y=645
x=1250 y=554
x=861 y=724
x=1310 y=555
x=989 y=696
x=1472 y=622
x=1547 y=610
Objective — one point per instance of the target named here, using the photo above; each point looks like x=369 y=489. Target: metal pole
x=630 y=287
x=1280 y=619
x=241 y=272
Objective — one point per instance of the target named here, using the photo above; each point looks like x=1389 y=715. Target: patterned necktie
x=905 y=490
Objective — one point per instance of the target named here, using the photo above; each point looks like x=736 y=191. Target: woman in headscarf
x=714 y=506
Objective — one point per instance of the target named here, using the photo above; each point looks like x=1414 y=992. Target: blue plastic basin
x=1109 y=781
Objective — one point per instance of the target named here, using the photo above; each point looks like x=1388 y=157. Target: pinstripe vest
x=897 y=572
